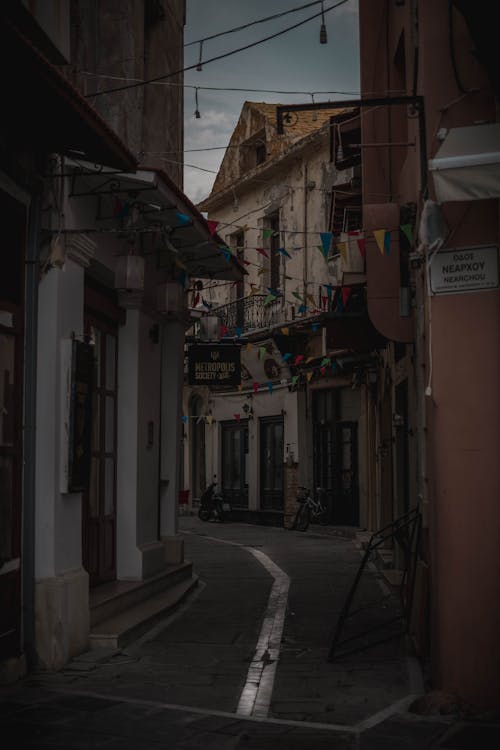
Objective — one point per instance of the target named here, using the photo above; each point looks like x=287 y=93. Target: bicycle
x=310 y=509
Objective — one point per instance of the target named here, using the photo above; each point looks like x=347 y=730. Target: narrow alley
x=181 y=684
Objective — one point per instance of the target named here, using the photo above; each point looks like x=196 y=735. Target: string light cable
x=217 y=57
x=286 y=92
x=235 y=29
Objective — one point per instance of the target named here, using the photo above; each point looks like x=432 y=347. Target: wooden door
x=13 y=215
x=99 y=501
x=335 y=451
x=234 y=483
x=271 y=463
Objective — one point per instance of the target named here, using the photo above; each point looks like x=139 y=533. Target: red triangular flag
x=346 y=291
x=212 y=225
x=262 y=252
x=237 y=417
x=255 y=387
x=362 y=246
x=298 y=359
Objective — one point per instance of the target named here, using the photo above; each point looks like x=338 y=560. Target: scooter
x=211 y=504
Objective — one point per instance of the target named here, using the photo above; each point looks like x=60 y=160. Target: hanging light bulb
x=199 y=66
x=323 y=37
x=196 y=111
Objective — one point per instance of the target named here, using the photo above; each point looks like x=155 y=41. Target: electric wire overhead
x=217 y=57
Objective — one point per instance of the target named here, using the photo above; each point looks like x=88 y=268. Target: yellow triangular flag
x=249 y=347
x=342 y=250
x=240 y=387
x=309 y=359
x=311 y=300
x=285 y=331
x=261 y=271
x=209 y=419
x=309 y=375
x=379 y=235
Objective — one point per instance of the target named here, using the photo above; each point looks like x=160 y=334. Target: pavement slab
x=179 y=685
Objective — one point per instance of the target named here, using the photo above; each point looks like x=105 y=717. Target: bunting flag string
x=306 y=374
x=327 y=238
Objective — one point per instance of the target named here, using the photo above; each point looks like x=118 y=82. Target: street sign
x=466 y=269
x=214 y=364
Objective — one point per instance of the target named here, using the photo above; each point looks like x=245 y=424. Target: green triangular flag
x=266 y=233
x=408 y=232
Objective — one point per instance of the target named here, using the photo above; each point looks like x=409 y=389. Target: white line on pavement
x=256 y=695
x=255 y=698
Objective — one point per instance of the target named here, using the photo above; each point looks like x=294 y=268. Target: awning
x=147 y=202
x=42 y=110
x=467 y=165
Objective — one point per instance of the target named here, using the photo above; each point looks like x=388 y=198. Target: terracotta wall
x=461 y=337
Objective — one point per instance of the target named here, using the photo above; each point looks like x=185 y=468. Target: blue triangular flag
x=183 y=218
x=284 y=252
x=270 y=386
x=286 y=356
x=302 y=309
x=387 y=243
x=184 y=418
x=326 y=241
x=238 y=332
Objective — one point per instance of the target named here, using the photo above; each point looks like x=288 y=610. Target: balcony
x=251 y=314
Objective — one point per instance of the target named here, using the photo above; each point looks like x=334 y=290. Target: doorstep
x=127 y=625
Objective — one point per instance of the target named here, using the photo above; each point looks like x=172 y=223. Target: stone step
x=122 y=628
x=112 y=598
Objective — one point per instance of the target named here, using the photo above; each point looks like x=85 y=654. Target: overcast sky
x=295 y=61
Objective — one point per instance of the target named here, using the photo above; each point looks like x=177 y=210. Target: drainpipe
x=29 y=434
x=304 y=257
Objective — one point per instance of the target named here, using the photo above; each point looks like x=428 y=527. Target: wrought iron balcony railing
x=251 y=314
